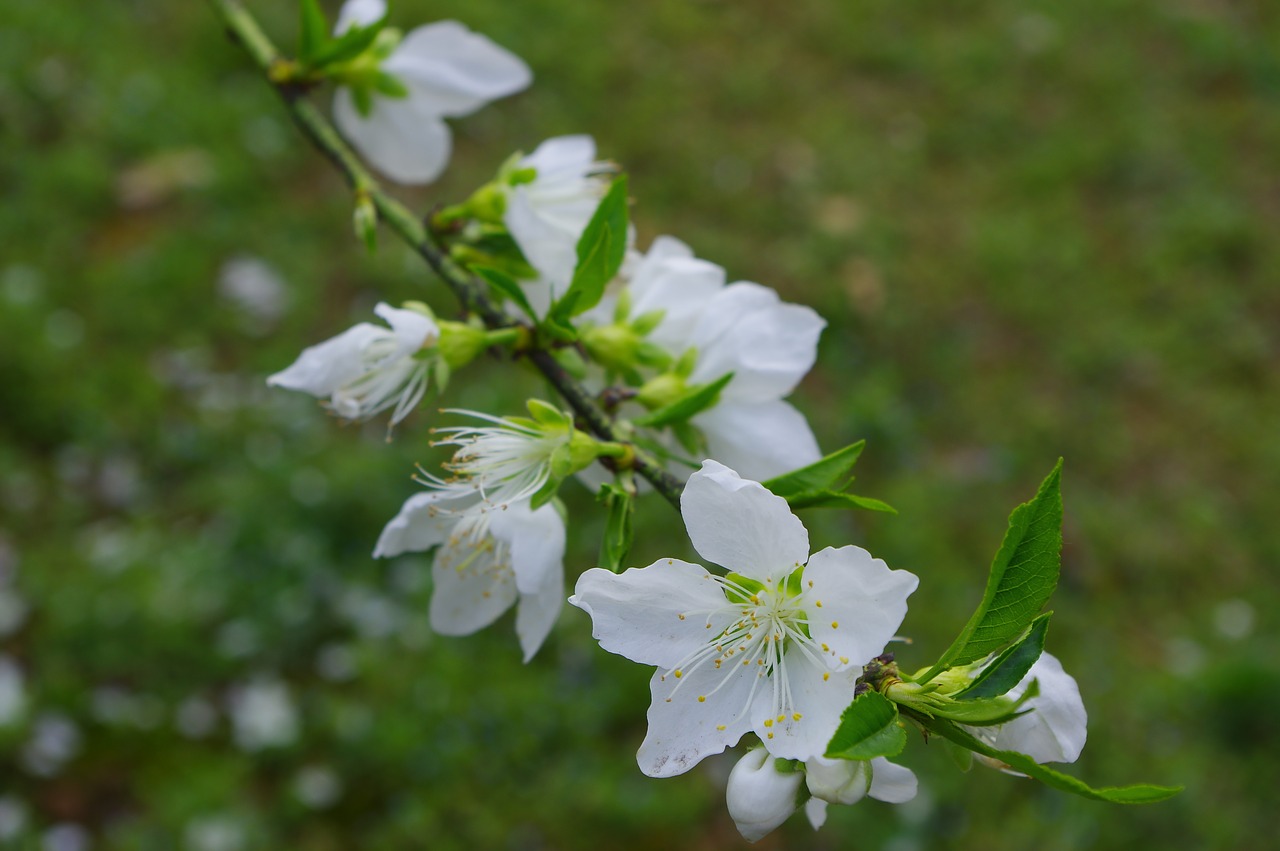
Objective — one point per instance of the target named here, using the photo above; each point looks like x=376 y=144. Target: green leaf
x=389 y=86
x=1022 y=578
x=1138 y=794
x=618 y=530
x=686 y=406
x=868 y=728
x=1013 y=663
x=314 y=30
x=833 y=499
x=349 y=45
x=821 y=475
x=600 y=249
x=508 y=286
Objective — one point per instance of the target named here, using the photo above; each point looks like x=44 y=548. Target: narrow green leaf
x=686 y=406
x=1022 y=578
x=601 y=248
x=868 y=728
x=833 y=499
x=1137 y=794
x=821 y=475
x=354 y=41
x=619 y=531
x=508 y=286
x=1013 y=663
x=314 y=30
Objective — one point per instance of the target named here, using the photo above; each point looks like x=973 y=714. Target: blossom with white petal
x=840 y=781
x=775 y=647
x=1055 y=727
x=759 y=796
x=367 y=369
x=447 y=71
x=547 y=212
x=489 y=558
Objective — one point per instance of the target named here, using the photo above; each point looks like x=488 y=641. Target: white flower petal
x=423 y=522
x=818 y=696
x=403 y=138
x=863 y=603
x=768 y=344
x=839 y=781
x=537 y=610
x=551 y=250
x=740 y=526
x=682 y=729
x=359 y=13
x=637 y=613
x=759 y=797
x=454 y=70
x=1057 y=728
x=758 y=439
x=323 y=368
x=892 y=783
x=562 y=157
x=471 y=591
x=681 y=287
x=413 y=330
x=816 y=811
x=537 y=542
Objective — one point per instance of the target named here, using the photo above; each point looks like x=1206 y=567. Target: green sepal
x=834 y=499
x=558 y=324
x=363 y=100
x=389 y=86
x=619 y=529
x=868 y=728
x=507 y=286
x=646 y=322
x=1023 y=576
x=364 y=221
x=1013 y=663
x=689 y=437
x=544 y=494
x=691 y=403
x=825 y=474
x=348 y=46
x=313 y=30
x=1141 y=793
x=983 y=711
x=601 y=249
x=546 y=414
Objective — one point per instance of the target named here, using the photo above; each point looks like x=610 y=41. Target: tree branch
x=244 y=29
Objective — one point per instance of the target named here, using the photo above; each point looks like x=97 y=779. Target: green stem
x=244 y=29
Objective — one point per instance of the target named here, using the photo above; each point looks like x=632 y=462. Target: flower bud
x=460 y=343
x=759 y=796
x=838 y=781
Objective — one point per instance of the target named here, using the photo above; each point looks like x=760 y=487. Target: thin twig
x=244 y=29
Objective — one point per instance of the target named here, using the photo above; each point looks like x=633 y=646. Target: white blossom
x=840 y=781
x=447 y=70
x=547 y=213
x=1055 y=727
x=489 y=558
x=368 y=368
x=775 y=647
x=759 y=796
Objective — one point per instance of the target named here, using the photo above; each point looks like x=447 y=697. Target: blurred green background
x=1036 y=230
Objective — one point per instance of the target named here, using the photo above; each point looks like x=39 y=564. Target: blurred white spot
x=67 y=837
x=255 y=287
x=55 y=740
x=263 y=716
x=309 y=486
x=238 y=639
x=1033 y=33
x=1184 y=657
x=73 y=465
x=317 y=787
x=1234 y=619
x=336 y=662
x=13 y=817
x=21 y=284
x=64 y=329
x=13 y=694
x=195 y=718
x=373 y=615
x=162 y=176
x=214 y=833
x=265 y=137
x=118 y=481
x=116 y=707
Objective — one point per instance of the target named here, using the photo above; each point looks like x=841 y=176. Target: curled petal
x=323 y=368
x=759 y=797
x=424 y=521
x=455 y=71
x=1056 y=728
x=892 y=783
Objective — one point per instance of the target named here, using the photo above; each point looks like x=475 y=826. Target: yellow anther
x=702 y=698
x=768 y=722
x=844 y=660
x=771 y=735
x=680 y=616
x=818 y=603
x=826 y=677
x=825 y=648
x=796 y=716
x=719 y=726
x=810 y=583
x=835 y=624
x=679 y=674
x=781 y=718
